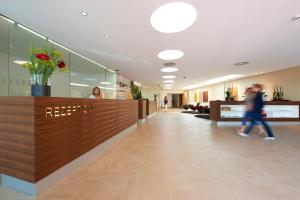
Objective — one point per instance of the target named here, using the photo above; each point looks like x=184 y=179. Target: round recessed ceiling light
x=169 y=76
x=84 y=13
x=107 y=36
x=168 y=81
x=169 y=69
x=170 y=54
x=173 y=17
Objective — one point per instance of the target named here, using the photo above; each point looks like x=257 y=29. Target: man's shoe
x=269 y=138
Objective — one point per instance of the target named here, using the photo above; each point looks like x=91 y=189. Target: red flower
x=61 y=64
x=42 y=56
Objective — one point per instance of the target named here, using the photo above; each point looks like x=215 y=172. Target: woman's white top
x=92 y=97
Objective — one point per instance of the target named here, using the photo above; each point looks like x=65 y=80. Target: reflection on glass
x=3 y=57
x=15 y=44
x=84 y=75
x=20 y=42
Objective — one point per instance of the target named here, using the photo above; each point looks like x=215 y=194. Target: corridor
x=176 y=156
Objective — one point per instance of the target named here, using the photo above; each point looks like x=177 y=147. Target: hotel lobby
x=149 y=100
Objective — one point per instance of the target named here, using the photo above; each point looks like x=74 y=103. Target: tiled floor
x=175 y=156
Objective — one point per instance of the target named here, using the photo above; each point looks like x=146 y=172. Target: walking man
x=257 y=114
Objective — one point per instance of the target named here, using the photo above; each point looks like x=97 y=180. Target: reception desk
x=276 y=112
x=39 y=135
x=151 y=107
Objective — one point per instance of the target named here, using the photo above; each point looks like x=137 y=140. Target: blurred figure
x=96 y=93
x=249 y=93
x=257 y=113
x=166 y=103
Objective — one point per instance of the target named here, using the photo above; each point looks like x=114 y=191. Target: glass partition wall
x=83 y=75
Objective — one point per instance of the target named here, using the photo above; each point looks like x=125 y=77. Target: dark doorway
x=177 y=100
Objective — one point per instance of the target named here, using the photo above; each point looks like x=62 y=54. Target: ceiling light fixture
x=169 y=69
x=91 y=79
x=169 y=76
x=170 y=54
x=9 y=20
x=222 y=78
x=31 y=31
x=105 y=83
x=20 y=62
x=214 y=81
x=84 y=13
x=80 y=55
x=107 y=36
x=79 y=84
x=241 y=63
x=107 y=88
x=173 y=17
x=168 y=81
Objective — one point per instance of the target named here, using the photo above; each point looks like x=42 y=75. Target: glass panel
x=20 y=42
x=60 y=86
x=3 y=57
x=110 y=87
x=15 y=44
x=84 y=75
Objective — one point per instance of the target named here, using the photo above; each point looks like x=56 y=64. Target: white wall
x=289 y=79
x=169 y=93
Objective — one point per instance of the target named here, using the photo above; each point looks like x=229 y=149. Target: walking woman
x=257 y=114
x=166 y=103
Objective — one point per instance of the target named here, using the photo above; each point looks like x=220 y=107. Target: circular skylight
x=170 y=54
x=173 y=17
x=169 y=69
x=169 y=76
x=168 y=81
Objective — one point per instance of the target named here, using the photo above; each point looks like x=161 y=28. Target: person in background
x=96 y=93
x=257 y=113
x=166 y=103
x=249 y=93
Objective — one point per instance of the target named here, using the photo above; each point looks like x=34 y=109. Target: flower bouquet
x=41 y=65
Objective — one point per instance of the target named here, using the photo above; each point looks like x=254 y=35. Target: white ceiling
x=225 y=32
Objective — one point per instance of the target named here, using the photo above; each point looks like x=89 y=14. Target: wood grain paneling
x=42 y=145
x=17 y=137
x=142 y=109
x=151 y=107
x=215 y=113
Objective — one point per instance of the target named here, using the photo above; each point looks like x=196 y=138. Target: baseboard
x=149 y=116
x=33 y=189
x=140 y=121
x=233 y=123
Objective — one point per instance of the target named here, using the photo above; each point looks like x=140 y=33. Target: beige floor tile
x=175 y=156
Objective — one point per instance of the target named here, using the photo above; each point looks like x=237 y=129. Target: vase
x=40 y=86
